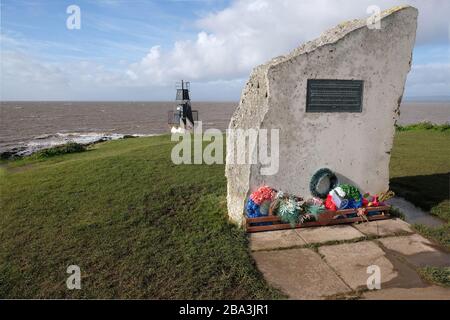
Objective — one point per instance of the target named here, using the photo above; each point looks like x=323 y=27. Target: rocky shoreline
x=42 y=142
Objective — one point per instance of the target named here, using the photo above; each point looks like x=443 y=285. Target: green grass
x=140 y=227
x=137 y=225
x=397 y=213
x=71 y=147
x=439 y=234
x=437 y=275
x=424 y=126
x=420 y=173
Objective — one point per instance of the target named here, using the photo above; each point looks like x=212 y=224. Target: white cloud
x=26 y=77
x=248 y=33
x=22 y=75
x=228 y=45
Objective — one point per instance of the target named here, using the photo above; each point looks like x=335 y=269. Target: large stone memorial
x=335 y=101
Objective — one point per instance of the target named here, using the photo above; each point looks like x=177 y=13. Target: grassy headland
x=136 y=224
x=424 y=126
x=141 y=227
x=420 y=173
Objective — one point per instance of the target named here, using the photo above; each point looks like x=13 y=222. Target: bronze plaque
x=334 y=95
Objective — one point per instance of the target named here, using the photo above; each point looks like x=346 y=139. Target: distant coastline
x=427 y=99
x=28 y=126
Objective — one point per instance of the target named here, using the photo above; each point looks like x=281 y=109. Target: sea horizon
x=413 y=99
x=28 y=126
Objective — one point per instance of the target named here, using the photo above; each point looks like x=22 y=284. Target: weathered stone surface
x=275 y=98
x=300 y=273
x=384 y=227
x=351 y=260
x=427 y=293
x=417 y=250
x=330 y=233
x=275 y=239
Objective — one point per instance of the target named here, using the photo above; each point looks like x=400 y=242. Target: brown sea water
x=22 y=122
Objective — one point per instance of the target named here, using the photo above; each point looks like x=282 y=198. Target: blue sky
x=136 y=49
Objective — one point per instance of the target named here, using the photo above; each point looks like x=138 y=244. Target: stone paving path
x=331 y=262
x=414 y=214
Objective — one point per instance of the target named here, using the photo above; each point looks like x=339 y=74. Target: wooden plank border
x=325 y=219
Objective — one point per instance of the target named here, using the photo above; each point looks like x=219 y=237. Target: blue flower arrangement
x=353 y=203
x=252 y=209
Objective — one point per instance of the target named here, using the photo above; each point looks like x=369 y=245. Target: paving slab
x=414 y=214
x=427 y=293
x=275 y=239
x=299 y=273
x=387 y=227
x=351 y=260
x=417 y=250
x=329 y=233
